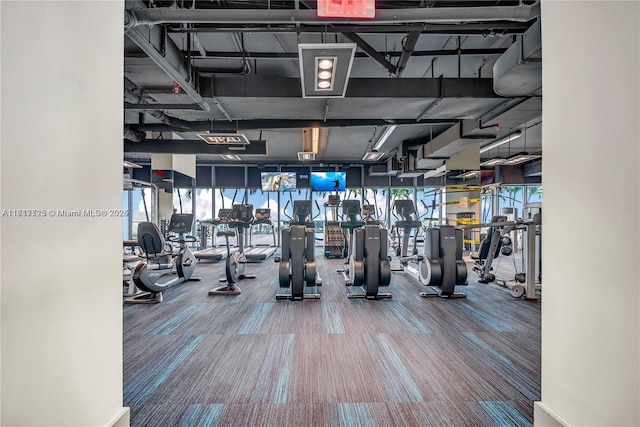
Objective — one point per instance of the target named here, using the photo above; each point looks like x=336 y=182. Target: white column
x=591 y=212
x=61 y=156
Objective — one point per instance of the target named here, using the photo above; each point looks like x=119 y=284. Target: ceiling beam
x=165 y=15
x=370 y=51
x=357 y=88
x=191 y=146
x=486 y=29
x=294 y=55
x=258 y=124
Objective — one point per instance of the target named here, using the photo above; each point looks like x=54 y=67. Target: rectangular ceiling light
x=516 y=159
x=373 y=156
x=325 y=68
x=230 y=156
x=385 y=135
x=128 y=164
x=315 y=139
x=501 y=141
x=492 y=162
x=470 y=174
x=306 y=155
x=224 y=138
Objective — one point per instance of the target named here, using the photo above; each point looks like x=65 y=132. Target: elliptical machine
x=159 y=260
x=297 y=262
x=241 y=220
x=441 y=263
x=368 y=261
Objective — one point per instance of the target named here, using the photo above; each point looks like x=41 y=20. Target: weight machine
x=497 y=242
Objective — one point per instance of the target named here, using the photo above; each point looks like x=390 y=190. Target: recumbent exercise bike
x=159 y=259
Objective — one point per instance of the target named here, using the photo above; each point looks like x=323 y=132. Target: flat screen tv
x=278 y=181
x=328 y=181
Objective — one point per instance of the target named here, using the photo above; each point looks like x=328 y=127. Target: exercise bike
x=159 y=260
x=368 y=262
x=297 y=266
x=441 y=264
x=241 y=219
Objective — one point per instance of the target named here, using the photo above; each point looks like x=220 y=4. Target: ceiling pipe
x=131 y=96
x=171 y=62
x=494 y=29
x=133 y=135
x=164 y=15
x=208 y=125
x=407 y=49
x=294 y=55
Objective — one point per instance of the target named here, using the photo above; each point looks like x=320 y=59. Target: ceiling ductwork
x=456 y=139
x=518 y=72
x=444 y=15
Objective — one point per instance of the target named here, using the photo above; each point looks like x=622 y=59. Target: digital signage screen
x=278 y=181
x=328 y=181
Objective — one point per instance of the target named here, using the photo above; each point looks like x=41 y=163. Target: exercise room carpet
x=249 y=360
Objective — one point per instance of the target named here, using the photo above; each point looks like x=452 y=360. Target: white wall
x=61 y=148
x=591 y=139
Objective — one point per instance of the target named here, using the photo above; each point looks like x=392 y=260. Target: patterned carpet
x=249 y=360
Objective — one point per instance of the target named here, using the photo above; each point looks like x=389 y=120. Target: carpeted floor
x=249 y=360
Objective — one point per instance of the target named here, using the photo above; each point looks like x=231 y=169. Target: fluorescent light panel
x=306 y=155
x=500 y=142
x=315 y=138
x=385 y=135
x=230 y=156
x=516 y=159
x=493 y=162
x=470 y=174
x=373 y=156
x=128 y=164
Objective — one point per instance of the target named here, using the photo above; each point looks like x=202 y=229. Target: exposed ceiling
x=449 y=74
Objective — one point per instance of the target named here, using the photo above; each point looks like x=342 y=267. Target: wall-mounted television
x=328 y=181
x=278 y=181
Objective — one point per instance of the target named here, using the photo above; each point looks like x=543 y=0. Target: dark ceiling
x=450 y=75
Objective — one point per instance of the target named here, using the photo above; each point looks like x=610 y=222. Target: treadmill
x=216 y=253
x=260 y=252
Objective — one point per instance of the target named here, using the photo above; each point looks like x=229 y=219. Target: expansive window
x=264 y=202
x=182 y=200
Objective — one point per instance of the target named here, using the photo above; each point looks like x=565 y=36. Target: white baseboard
x=122 y=419
x=544 y=417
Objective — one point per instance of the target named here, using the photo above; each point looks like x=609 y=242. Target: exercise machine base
x=145 y=298
x=225 y=290
x=385 y=295
x=434 y=295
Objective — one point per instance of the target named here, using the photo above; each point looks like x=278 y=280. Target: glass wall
x=267 y=201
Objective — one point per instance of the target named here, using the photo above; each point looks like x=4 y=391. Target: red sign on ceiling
x=346 y=8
